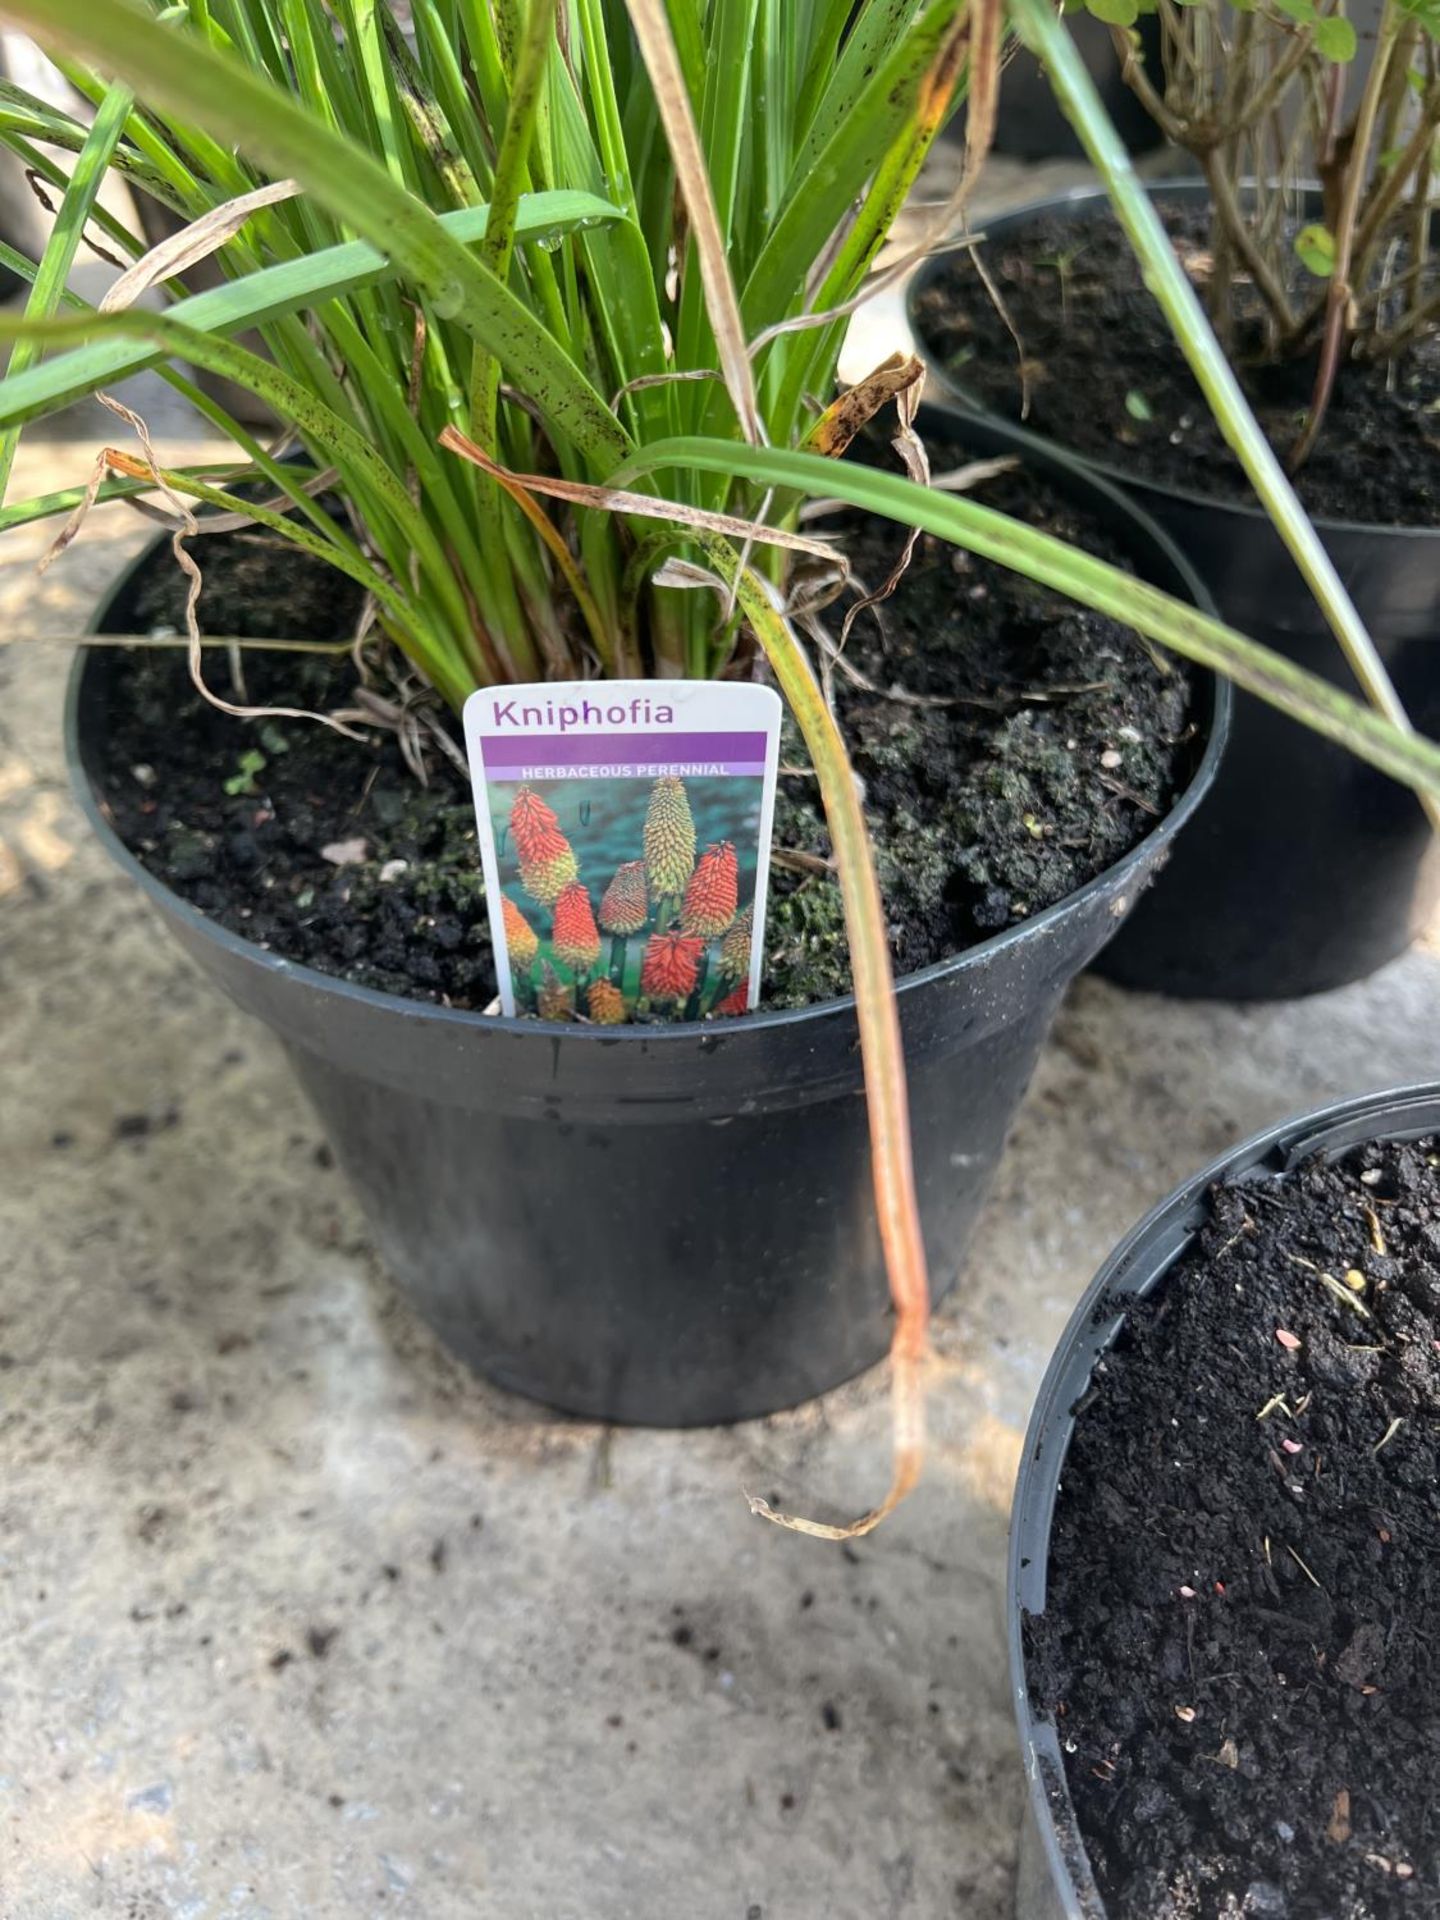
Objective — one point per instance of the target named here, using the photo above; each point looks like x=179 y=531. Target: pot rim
x=1078 y=199
x=960 y=418
x=1152 y=1246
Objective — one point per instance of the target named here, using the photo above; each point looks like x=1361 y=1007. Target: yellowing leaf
x=1315 y=250
x=843 y=418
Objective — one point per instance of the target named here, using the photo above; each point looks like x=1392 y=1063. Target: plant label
x=625 y=834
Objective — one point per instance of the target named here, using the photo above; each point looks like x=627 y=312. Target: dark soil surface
x=1063 y=743
x=1107 y=379
x=1241 y=1643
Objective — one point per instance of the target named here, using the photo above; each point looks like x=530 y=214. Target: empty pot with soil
x=669 y=1223
x=1224 y=1586
x=1307 y=870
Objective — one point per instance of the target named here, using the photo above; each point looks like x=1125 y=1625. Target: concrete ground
x=300 y=1620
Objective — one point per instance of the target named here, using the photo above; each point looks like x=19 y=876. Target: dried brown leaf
x=858 y=405
x=186 y=527
x=916 y=462
x=193 y=243
x=987 y=34
x=1339 y=1828
x=644 y=506
x=657 y=47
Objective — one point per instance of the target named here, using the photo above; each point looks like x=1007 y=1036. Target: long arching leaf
x=267 y=294
x=1094 y=583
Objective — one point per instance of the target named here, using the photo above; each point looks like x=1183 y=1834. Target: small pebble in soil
x=1265 y=1900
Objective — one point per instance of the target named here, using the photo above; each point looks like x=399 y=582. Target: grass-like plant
x=552 y=293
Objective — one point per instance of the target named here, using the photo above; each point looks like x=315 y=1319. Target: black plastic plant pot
x=1055 y=1881
x=1030 y=125
x=664 y=1225
x=1307 y=869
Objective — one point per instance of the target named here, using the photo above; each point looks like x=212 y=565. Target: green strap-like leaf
x=1094 y=583
x=178 y=71
x=389 y=508
x=48 y=288
x=266 y=295
x=850 y=137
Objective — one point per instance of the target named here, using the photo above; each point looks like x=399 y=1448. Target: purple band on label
x=528 y=770
x=722 y=752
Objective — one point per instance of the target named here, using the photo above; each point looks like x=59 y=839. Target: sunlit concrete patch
x=987 y=1462
x=16 y=777
x=44 y=832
